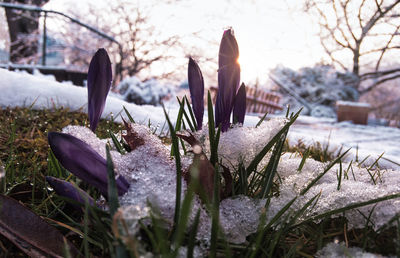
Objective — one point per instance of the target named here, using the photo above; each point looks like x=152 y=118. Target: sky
x=269 y=33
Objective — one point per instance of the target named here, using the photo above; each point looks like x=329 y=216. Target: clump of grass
x=317 y=151
x=24 y=153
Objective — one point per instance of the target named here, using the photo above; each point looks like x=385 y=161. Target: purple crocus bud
x=196 y=87
x=239 y=108
x=66 y=189
x=99 y=83
x=84 y=162
x=228 y=79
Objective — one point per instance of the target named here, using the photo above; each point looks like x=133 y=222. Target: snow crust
x=241 y=144
x=352 y=104
x=151 y=173
x=25 y=90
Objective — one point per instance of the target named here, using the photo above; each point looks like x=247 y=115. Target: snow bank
x=24 y=90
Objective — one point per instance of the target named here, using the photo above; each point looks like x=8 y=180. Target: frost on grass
x=152 y=176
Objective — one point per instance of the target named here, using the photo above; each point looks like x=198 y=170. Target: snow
x=24 y=90
x=364 y=140
x=339 y=250
x=152 y=177
x=352 y=104
x=151 y=171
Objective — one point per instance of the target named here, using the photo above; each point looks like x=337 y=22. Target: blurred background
x=309 y=53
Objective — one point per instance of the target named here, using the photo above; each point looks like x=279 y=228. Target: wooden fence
x=257 y=100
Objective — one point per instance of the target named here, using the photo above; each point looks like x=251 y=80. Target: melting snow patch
x=152 y=176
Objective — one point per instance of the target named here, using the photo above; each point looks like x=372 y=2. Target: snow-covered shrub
x=321 y=86
x=150 y=92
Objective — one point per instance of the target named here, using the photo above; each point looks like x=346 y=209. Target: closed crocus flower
x=239 y=108
x=85 y=163
x=196 y=87
x=228 y=79
x=99 y=83
x=68 y=190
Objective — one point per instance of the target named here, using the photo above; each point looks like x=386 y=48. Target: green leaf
x=348 y=207
x=129 y=115
x=303 y=159
x=192 y=235
x=184 y=218
x=175 y=146
x=257 y=159
x=117 y=144
x=191 y=113
x=112 y=187
x=315 y=180
x=262 y=119
x=215 y=214
x=270 y=171
x=192 y=128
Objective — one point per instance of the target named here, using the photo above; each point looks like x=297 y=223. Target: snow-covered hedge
x=321 y=86
x=150 y=92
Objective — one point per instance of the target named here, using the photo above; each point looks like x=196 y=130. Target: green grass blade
x=129 y=115
x=215 y=214
x=178 y=123
x=117 y=144
x=303 y=160
x=315 y=180
x=211 y=128
x=262 y=119
x=349 y=207
x=270 y=171
x=255 y=246
x=303 y=209
x=192 y=235
x=175 y=145
x=180 y=116
x=214 y=147
x=280 y=213
x=55 y=166
x=184 y=218
x=112 y=187
x=192 y=128
x=191 y=113
x=257 y=159
x=113 y=203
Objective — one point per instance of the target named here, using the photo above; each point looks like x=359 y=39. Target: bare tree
x=146 y=51
x=23 y=28
x=363 y=31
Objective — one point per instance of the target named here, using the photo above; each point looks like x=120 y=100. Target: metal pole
x=44 y=43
